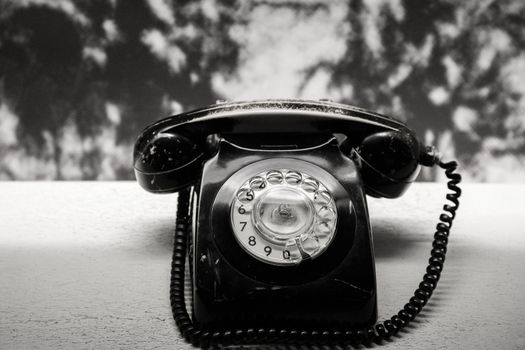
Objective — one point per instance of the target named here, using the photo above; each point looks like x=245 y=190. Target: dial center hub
x=283 y=212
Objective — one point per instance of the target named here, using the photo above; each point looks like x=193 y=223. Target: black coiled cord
x=207 y=338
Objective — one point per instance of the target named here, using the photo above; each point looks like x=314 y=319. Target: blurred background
x=80 y=79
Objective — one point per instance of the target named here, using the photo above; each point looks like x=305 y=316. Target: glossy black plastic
x=169 y=154
x=170 y=162
x=389 y=162
x=232 y=289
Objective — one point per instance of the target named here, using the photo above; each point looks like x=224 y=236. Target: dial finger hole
x=245 y=195
x=326 y=213
x=257 y=183
x=311 y=245
x=322 y=197
x=274 y=177
x=293 y=178
x=310 y=185
x=291 y=252
x=323 y=228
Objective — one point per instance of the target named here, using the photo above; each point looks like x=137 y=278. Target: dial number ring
x=299 y=228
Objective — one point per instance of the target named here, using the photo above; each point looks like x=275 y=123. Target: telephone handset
x=272 y=213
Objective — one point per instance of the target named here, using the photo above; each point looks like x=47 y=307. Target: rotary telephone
x=273 y=222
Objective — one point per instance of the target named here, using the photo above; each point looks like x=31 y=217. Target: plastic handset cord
x=209 y=338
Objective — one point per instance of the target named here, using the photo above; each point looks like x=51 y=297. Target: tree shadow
x=394 y=238
x=157 y=237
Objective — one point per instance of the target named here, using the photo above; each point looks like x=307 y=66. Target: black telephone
x=273 y=220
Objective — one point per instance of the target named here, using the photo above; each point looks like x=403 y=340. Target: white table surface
x=86 y=265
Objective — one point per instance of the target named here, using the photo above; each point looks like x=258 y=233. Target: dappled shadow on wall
x=71 y=108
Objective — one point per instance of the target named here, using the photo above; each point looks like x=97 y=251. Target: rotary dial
x=283 y=216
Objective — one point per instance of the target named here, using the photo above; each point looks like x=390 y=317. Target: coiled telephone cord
x=208 y=338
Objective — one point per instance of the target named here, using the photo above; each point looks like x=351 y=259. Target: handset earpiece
x=167 y=161
x=389 y=162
